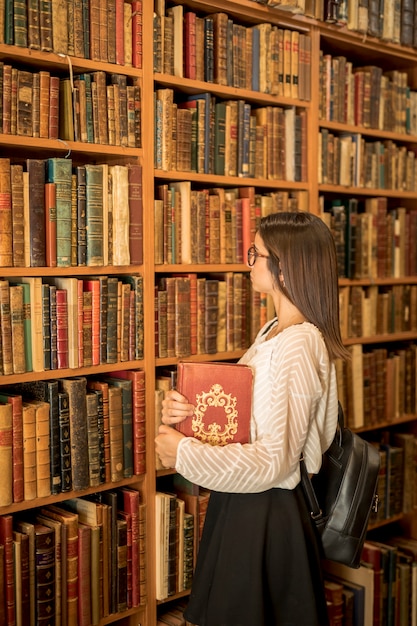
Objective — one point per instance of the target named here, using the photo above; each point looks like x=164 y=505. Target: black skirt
x=258 y=563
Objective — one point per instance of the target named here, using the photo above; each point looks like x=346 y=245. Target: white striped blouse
x=294 y=407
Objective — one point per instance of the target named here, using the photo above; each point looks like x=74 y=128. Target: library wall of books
x=140 y=143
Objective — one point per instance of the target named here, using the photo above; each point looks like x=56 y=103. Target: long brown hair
x=301 y=246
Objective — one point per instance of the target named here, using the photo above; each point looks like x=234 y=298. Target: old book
x=36 y=170
x=21 y=561
x=6 y=327
x=115 y=433
x=59 y=171
x=6 y=454
x=44 y=574
x=43 y=472
x=138 y=415
x=29 y=451
x=53 y=120
x=84 y=575
x=6 y=229
x=91 y=514
x=69 y=522
x=17 y=329
x=212 y=387
x=121 y=568
x=16 y=177
x=76 y=389
x=127 y=417
x=135 y=213
x=17 y=417
x=131 y=501
x=120 y=192
x=62 y=329
x=93 y=439
x=102 y=388
x=95 y=189
x=6 y=539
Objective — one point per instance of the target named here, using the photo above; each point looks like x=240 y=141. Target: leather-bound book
x=64 y=441
x=36 y=170
x=93 y=439
x=6 y=539
x=18 y=330
x=69 y=547
x=121 y=570
x=137 y=33
x=24 y=103
x=76 y=389
x=136 y=214
x=6 y=248
x=59 y=171
x=16 y=176
x=45 y=25
x=127 y=417
x=102 y=389
x=6 y=327
x=53 y=107
x=116 y=433
x=17 y=415
x=29 y=451
x=50 y=225
x=131 y=502
x=138 y=416
x=221 y=394
x=6 y=454
x=45 y=574
x=21 y=564
x=62 y=328
x=84 y=575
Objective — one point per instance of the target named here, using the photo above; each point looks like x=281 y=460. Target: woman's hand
x=166 y=445
x=175 y=408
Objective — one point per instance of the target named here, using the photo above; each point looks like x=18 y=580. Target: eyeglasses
x=253 y=254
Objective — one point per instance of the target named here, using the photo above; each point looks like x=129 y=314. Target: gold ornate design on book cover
x=221 y=394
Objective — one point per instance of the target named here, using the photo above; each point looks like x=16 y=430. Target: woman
x=258 y=561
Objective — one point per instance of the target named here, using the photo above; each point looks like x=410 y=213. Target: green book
x=59 y=171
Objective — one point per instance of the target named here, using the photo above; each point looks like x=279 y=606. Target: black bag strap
x=306 y=483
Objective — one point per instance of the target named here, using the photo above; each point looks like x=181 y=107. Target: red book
x=94 y=286
x=62 y=328
x=50 y=224
x=190 y=61
x=138 y=423
x=6 y=539
x=17 y=445
x=221 y=394
x=137 y=33
x=131 y=501
x=119 y=26
x=135 y=214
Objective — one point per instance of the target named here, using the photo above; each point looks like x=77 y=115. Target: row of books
x=173 y=614
x=378 y=386
x=29 y=102
x=348 y=159
x=100 y=108
x=366 y=96
x=179 y=520
x=381 y=591
x=74 y=563
x=213 y=225
x=205 y=315
x=57 y=213
x=71 y=434
x=68 y=322
x=102 y=31
x=373 y=239
x=218 y=49
x=375 y=310
x=229 y=138
x=92 y=107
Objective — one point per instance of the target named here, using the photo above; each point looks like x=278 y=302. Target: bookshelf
x=178 y=179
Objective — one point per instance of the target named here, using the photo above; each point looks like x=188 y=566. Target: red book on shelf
x=62 y=328
x=137 y=33
x=222 y=395
x=6 y=539
x=138 y=424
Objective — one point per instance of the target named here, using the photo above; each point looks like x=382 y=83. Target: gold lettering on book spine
x=213 y=433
